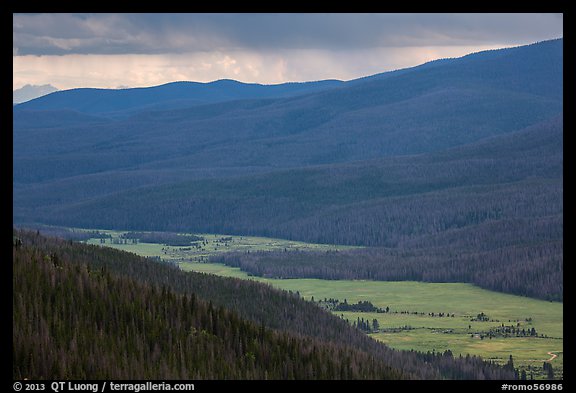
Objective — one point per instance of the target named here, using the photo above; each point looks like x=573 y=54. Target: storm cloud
x=60 y=34
x=110 y=50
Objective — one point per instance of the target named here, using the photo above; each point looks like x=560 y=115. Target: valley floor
x=410 y=325
x=422 y=316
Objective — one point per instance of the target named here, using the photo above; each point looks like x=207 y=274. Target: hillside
x=103 y=314
x=125 y=329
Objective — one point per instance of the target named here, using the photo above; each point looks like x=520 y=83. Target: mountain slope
x=124 y=329
x=56 y=118
x=101 y=313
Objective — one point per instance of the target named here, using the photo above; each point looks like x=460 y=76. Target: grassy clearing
x=213 y=244
x=410 y=303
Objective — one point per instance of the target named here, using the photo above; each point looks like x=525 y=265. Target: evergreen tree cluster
x=167 y=238
x=534 y=270
x=361 y=306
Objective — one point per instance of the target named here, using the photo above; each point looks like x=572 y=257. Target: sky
x=136 y=50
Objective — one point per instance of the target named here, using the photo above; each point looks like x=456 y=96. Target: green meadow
x=413 y=321
x=425 y=332
x=213 y=245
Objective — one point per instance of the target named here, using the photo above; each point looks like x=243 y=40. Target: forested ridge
x=490 y=213
x=84 y=311
x=385 y=202
x=71 y=321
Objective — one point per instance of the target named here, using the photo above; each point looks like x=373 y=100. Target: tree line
x=534 y=270
x=167 y=238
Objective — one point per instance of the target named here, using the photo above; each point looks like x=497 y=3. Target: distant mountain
x=419 y=110
x=122 y=102
x=29 y=92
x=505 y=68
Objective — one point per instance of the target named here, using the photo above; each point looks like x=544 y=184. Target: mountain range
x=29 y=92
x=432 y=157
x=124 y=102
x=424 y=109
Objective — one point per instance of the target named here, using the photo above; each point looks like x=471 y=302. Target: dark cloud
x=60 y=34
